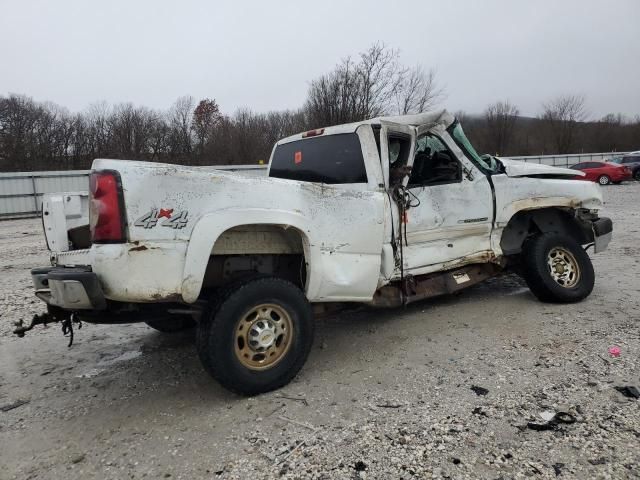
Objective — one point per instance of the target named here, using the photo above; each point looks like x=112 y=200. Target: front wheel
x=256 y=335
x=557 y=269
x=604 y=180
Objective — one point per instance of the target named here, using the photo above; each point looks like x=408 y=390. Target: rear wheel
x=557 y=269
x=256 y=336
x=636 y=174
x=604 y=180
x=173 y=324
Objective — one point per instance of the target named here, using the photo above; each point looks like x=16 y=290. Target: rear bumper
x=70 y=288
x=602 y=231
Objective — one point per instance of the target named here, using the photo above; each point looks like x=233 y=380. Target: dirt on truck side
x=444 y=387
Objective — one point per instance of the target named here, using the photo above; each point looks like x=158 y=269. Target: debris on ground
x=557 y=468
x=547 y=415
x=11 y=406
x=629 y=391
x=360 y=466
x=553 y=423
x=614 y=351
x=479 y=390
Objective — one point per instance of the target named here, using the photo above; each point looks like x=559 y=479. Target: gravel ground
x=384 y=394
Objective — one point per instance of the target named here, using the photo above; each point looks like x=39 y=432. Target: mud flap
x=602 y=230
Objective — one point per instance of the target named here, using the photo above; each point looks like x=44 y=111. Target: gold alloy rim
x=263 y=336
x=563 y=267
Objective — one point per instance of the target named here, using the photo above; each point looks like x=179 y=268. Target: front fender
x=514 y=195
x=212 y=225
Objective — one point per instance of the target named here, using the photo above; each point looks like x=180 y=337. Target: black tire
x=636 y=174
x=537 y=273
x=172 y=324
x=218 y=332
x=604 y=180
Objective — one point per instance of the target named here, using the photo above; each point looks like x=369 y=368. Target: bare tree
x=376 y=84
x=378 y=76
x=98 y=129
x=337 y=97
x=417 y=91
x=561 y=116
x=180 y=121
x=501 y=119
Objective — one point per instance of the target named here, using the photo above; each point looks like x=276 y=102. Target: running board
x=433 y=284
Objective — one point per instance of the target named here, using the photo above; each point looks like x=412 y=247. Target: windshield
x=486 y=163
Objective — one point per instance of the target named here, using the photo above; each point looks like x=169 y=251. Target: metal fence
x=21 y=193
x=568 y=160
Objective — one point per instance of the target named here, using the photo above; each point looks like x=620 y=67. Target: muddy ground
x=384 y=394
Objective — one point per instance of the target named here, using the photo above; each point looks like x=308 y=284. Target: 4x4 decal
x=151 y=219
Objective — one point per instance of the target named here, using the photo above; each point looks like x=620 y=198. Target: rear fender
x=211 y=226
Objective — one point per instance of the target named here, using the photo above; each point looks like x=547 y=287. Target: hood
x=517 y=168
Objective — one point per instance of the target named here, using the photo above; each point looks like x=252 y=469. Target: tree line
x=561 y=127
x=45 y=136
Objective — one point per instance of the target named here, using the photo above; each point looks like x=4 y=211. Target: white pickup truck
x=381 y=212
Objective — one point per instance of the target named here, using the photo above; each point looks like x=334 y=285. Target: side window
x=633 y=159
x=579 y=166
x=434 y=163
x=333 y=159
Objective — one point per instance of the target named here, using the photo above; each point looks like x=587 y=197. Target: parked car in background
x=630 y=160
x=603 y=172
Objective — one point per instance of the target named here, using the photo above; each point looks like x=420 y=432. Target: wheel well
x=529 y=222
x=263 y=249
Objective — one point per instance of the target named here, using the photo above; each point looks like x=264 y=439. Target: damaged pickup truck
x=382 y=212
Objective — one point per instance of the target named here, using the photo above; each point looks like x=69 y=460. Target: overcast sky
x=262 y=54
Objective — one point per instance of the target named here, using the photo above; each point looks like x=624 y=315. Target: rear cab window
x=331 y=159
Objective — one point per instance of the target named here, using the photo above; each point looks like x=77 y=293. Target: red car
x=603 y=172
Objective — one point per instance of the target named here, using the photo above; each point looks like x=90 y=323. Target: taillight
x=106 y=207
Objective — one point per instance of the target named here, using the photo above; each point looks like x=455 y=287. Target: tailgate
x=65 y=219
